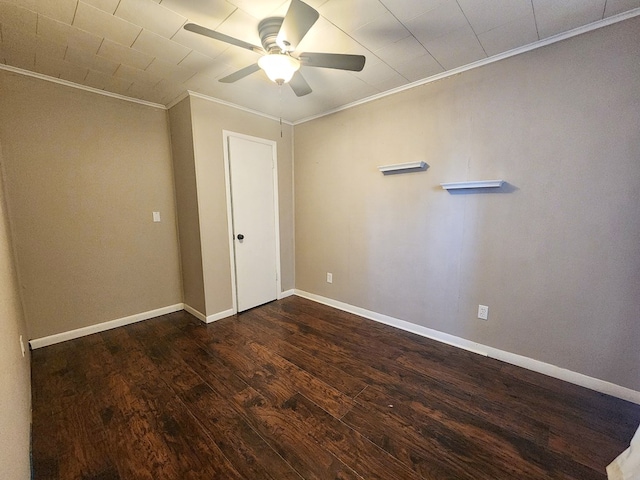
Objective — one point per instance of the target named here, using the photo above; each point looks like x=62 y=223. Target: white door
x=252 y=179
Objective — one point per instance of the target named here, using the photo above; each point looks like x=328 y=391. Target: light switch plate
x=156 y=216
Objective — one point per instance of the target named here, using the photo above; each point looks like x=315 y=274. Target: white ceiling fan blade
x=299 y=85
x=338 y=61
x=240 y=74
x=192 y=27
x=299 y=19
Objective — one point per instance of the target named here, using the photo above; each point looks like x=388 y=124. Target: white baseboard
x=226 y=313
x=101 y=327
x=220 y=315
x=200 y=316
x=208 y=318
x=508 y=357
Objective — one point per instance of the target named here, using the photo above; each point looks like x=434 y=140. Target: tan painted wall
x=84 y=173
x=209 y=119
x=555 y=255
x=15 y=389
x=187 y=205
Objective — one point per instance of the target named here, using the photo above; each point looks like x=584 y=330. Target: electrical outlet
x=329 y=277
x=483 y=312
x=22 y=347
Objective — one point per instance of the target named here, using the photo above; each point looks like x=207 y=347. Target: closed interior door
x=251 y=172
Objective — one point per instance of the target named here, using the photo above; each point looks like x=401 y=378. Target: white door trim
x=227 y=181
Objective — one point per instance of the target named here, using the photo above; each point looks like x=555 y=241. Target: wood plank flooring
x=297 y=390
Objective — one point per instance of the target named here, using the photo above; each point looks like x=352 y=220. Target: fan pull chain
x=280 y=101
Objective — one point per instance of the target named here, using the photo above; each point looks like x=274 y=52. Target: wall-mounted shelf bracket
x=472 y=184
x=403 y=167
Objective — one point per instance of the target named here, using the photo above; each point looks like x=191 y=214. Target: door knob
x=240 y=236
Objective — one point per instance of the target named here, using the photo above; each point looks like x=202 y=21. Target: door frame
x=226 y=134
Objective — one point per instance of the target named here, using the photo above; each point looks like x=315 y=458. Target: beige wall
x=15 y=390
x=209 y=119
x=187 y=205
x=555 y=255
x=84 y=173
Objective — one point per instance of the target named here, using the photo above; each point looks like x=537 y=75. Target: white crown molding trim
x=598 y=385
x=516 y=51
x=220 y=315
x=200 y=316
x=177 y=100
x=237 y=107
x=286 y=293
x=101 y=327
x=485 y=61
x=67 y=83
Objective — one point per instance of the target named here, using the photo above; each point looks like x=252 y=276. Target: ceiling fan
x=280 y=37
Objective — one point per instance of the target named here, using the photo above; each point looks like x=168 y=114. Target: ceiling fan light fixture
x=279 y=67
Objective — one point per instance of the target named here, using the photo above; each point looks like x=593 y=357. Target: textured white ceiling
x=138 y=48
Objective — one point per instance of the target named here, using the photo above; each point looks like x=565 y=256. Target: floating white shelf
x=398 y=167
x=472 y=184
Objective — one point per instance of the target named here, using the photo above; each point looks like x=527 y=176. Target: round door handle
x=240 y=236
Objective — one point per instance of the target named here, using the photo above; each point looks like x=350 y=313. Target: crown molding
x=67 y=83
x=485 y=61
x=237 y=107
x=177 y=100
x=174 y=102
x=449 y=73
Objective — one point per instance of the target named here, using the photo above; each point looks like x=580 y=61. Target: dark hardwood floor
x=298 y=390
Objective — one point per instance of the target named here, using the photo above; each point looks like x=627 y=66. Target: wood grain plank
x=250 y=454
x=347 y=444
x=251 y=325
x=291 y=440
x=297 y=390
x=158 y=423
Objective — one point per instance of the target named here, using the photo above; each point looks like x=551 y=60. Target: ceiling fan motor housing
x=280 y=37
x=268 y=30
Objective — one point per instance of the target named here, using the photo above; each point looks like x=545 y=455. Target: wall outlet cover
x=483 y=312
